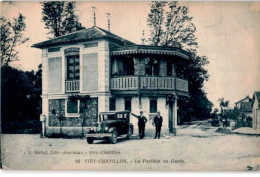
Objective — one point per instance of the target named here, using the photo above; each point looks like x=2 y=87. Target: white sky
x=228 y=34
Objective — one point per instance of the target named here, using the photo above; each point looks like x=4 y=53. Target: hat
x=141 y=111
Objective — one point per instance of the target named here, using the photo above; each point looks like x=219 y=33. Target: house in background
x=245 y=106
x=256 y=110
x=117 y=75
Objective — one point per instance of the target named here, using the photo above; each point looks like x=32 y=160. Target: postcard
x=130 y=86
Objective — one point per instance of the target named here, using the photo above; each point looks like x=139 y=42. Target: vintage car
x=111 y=126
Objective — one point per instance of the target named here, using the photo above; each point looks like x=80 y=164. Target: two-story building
x=245 y=106
x=117 y=75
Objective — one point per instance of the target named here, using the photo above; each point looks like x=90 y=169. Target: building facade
x=93 y=70
x=245 y=106
x=256 y=110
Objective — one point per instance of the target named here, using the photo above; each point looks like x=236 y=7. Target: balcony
x=148 y=84
x=72 y=86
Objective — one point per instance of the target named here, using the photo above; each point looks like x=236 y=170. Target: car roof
x=114 y=112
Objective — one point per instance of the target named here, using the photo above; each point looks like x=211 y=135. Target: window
x=72 y=57
x=73 y=67
x=170 y=68
x=153 y=105
x=72 y=108
x=128 y=104
x=108 y=117
x=151 y=67
x=112 y=104
x=120 y=116
x=128 y=63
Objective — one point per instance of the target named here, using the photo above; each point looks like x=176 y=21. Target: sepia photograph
x=130 y=86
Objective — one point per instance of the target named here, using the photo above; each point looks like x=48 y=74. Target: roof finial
x=108 y=21
x=143 y=38
x=94 y=14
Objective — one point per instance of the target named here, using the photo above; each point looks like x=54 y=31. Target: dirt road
x=195 y=148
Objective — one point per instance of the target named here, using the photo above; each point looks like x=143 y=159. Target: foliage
x=176 y=30
x=12 y=35
x=60 y=18
x=21 y=100
x=155 y=21
x=223 y=104
x=171 y=25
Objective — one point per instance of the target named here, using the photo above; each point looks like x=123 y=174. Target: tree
x=178 y=30
x=21 y=101
x=60 y=18
x=223 y=104
x=12 y=35
x=71 y=23
x=155 y=22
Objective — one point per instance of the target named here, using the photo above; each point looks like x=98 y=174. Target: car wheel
x=90 y=140
x=113 y=138
x=130 y=132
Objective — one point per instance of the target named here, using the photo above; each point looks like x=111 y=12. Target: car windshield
x=106 y=117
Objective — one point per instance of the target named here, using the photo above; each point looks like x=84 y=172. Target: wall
x=90 y=72
x=145 y=101
x=57 y=120
x=55 y=75
x=256 y=115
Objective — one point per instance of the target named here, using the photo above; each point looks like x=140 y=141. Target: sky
x=228 y=34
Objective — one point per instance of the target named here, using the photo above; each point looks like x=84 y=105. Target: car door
x=121 y=122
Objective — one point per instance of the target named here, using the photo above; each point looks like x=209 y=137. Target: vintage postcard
x=130 y=86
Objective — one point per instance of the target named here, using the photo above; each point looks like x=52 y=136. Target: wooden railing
x=72 y=86
x=165 y=83
x=124 y=83
x=148 y=83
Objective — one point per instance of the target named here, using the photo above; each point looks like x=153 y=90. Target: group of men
x=142 y=121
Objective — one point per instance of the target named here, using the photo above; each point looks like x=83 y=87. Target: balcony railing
x=72 y=86
x=148 y=83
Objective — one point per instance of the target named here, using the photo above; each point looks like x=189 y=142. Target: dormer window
x=73 y=68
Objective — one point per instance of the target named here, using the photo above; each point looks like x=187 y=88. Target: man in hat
x=158 y=125
x=141 y=124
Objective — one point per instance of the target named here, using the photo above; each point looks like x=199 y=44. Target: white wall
x=120 y=105
x=256 y=115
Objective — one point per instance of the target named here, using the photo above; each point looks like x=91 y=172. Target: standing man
x=158 y=125
x=141 y=124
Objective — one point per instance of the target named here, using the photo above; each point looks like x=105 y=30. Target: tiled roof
x=83 y=35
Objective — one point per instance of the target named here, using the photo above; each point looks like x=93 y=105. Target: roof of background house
x=244 y=99
x=256 y=95
x=246 y=107
x=83 y=35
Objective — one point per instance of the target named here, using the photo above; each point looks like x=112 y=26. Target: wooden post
x=175 y=116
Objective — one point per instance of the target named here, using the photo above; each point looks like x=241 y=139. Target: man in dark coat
x=141 y=124
x=158 y=125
